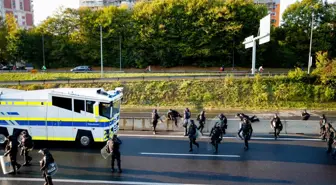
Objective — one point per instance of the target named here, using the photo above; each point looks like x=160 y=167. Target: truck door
x=38 y=128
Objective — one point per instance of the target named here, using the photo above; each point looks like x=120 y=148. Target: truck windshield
x=105 y=110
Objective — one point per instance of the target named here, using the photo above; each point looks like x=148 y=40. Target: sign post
x=264 y=37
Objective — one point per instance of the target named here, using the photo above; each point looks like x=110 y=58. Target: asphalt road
x=153 y=161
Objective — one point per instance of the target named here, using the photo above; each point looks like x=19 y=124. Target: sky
x=45 y=8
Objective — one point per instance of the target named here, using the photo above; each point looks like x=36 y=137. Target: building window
x=13 y=3
x=23 y=23
x=273 y=21
x=273 y=13
x=21 y=6
x=64 y=103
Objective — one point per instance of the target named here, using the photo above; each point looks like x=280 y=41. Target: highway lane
x=167 y=160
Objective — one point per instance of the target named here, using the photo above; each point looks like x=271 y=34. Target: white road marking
x=253 y=138
x=197 y=155
x=90 y=181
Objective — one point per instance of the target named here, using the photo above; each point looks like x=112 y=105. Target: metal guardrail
x=123 y=79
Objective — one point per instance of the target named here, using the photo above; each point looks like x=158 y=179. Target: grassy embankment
x=260 y=93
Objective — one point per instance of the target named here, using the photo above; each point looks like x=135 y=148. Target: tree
x=12 y=38
x=3 y=40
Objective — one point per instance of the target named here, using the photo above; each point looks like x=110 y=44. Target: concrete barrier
x=262 y=127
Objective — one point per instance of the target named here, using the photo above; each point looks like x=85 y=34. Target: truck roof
x=89 y=93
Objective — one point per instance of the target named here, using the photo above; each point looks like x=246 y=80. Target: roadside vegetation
x=297 y=90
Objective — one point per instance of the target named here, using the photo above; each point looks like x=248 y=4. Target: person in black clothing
x=45 y=162
x=251 y=119
x=247 y=130
x=12 y=150
x=330 y=135
x=201 y=121
x=155 y=118
x=114 y=148
x=192 y=132
x=305 y=115
x=173 y=115
x=323 y=121
x=186 y=116
x=26 y=145
x=215 y=135
x=276 y=125
x=223 y=123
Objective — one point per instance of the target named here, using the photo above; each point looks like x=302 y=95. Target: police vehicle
x=84 y=115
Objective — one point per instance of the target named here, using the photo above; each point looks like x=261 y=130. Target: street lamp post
x=43 y=50
x=101 y=52
x=311 y=43
x=120 y=50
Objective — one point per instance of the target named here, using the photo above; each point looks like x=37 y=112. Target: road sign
x=265 y=29
x=248 y=42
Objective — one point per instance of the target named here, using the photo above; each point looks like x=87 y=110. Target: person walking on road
x=330 y=135
x=276 y=125
x=173 y=115
x=45 y=162
x=201 y=120
x=12 y=150
x=192 y=133
x=155 y=118
x=223 y=124
x=323 y=122
x=251 y=119
x=26 y=145
x=114 y=148
x=215 y=136
x=186 y=116
x=247 y=130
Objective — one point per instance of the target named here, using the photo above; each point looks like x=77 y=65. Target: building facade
x=96 y=4
x=21 y=9
x=273 y=9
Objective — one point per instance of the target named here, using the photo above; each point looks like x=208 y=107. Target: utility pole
x=311 y=43
x=101 y=52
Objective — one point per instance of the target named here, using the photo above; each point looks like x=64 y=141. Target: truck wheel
x=2 y=138
x=84 y=138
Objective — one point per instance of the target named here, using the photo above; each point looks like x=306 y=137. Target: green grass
x=60 y=76
x=258 y=93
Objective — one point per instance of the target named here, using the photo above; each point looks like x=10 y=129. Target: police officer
x=251 y=119
x=173 y=115
x=45 y=162
x=330 y=136
x=247 y=130
x=114 y=148
x=201 y=120
x=305 y=115
x=155 y=118
x=26 y=145
x=223 y=123
x=192 y=132
x=12 y=149
x=276 y=125
x=215 y=135
x=323 y=121
x=186 y=116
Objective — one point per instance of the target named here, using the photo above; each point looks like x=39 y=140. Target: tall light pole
x=43 y=49
x=311 y=43
x=101 y=52
x=120 y=50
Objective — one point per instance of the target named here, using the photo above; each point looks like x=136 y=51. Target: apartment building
x=21 y=9
x=273 y=9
